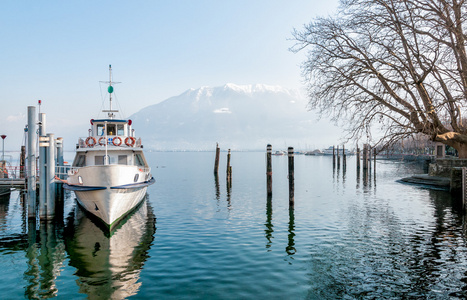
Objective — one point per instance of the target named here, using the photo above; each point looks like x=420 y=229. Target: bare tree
x=396 y=65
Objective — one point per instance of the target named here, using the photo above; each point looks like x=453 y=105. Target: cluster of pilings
x=364 y=154
x=336 y=157
x=291 y=176
x=50 y=156
x=366 y=158
x=228 y=168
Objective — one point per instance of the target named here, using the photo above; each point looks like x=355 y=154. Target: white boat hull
x=110 y=205
x=109 y=192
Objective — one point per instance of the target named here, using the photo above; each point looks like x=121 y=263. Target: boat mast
x=110 y=89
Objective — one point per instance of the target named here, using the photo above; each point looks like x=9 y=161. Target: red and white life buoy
x=102 y=141
x=117 y=141
x=91 y=141
x=130 y=141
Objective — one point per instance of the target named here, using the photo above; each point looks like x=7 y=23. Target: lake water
x=348 y=237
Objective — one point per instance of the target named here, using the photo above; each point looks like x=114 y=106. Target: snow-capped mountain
x=242 y=117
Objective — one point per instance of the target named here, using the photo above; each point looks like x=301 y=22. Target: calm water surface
x=348 y=237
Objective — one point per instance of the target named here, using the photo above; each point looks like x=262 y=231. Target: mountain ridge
x=241 y=117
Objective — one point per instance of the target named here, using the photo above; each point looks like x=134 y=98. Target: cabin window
x=139 y=160
x=99 y=160
x=100 y=129
x=120 y=129
x=122 y=160
x=136 y=178
x=80 y=161
x=111 y=129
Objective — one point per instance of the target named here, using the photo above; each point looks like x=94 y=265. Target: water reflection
x=269 y=226
x=290 y=249
x=229 y=191
x=4 y=204
x=109 y=264
x=216 y=183
x=365 y=178
x=46 y=254
x=358 y=178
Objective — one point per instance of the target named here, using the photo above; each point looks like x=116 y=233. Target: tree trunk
x=456 y=140
x=461 y=150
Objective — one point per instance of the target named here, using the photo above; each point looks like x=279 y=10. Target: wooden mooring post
x=229 y=170
x=365 y=157
x=216 y=162
x=374 y=161
x=344 y=157
x=22 y=162
x=269 y=169
x=358 y=159
x=291 y=177
x=333 y=157
x=338 y=157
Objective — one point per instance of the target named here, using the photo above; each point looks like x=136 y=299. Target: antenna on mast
x=110 y=89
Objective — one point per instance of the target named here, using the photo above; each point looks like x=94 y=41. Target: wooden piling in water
x=229 y=169
x=374 y=160
x=365 y=157
x=344 y=158
x=216 y=162
x=338 y=157
x=333 y=156
x=269 y=169
x=22 y=162
x=291 y=177
x=358 y=159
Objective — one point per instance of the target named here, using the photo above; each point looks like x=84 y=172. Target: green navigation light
x=110 y=89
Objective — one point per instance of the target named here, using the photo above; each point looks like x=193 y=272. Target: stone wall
x=443 y=166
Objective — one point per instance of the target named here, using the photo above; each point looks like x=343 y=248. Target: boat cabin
x=110 y=142
x=114 y=127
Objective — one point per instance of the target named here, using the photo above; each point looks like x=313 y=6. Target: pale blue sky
x=58 y=51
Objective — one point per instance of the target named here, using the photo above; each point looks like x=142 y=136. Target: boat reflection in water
x=109 y=263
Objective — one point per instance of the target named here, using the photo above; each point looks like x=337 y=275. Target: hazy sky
x=58 y=51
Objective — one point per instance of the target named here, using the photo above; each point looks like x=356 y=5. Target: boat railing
x=62 y=171
x=112 y=141
x=73 y=170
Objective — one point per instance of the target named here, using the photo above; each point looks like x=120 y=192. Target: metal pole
x=3 y=146
x=106 y=161
x=43 y=144
x=60 y=161
x=50 y=177
x=31 y=162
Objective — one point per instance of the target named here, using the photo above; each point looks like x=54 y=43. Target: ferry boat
x=110 y=174
x=331 y=150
